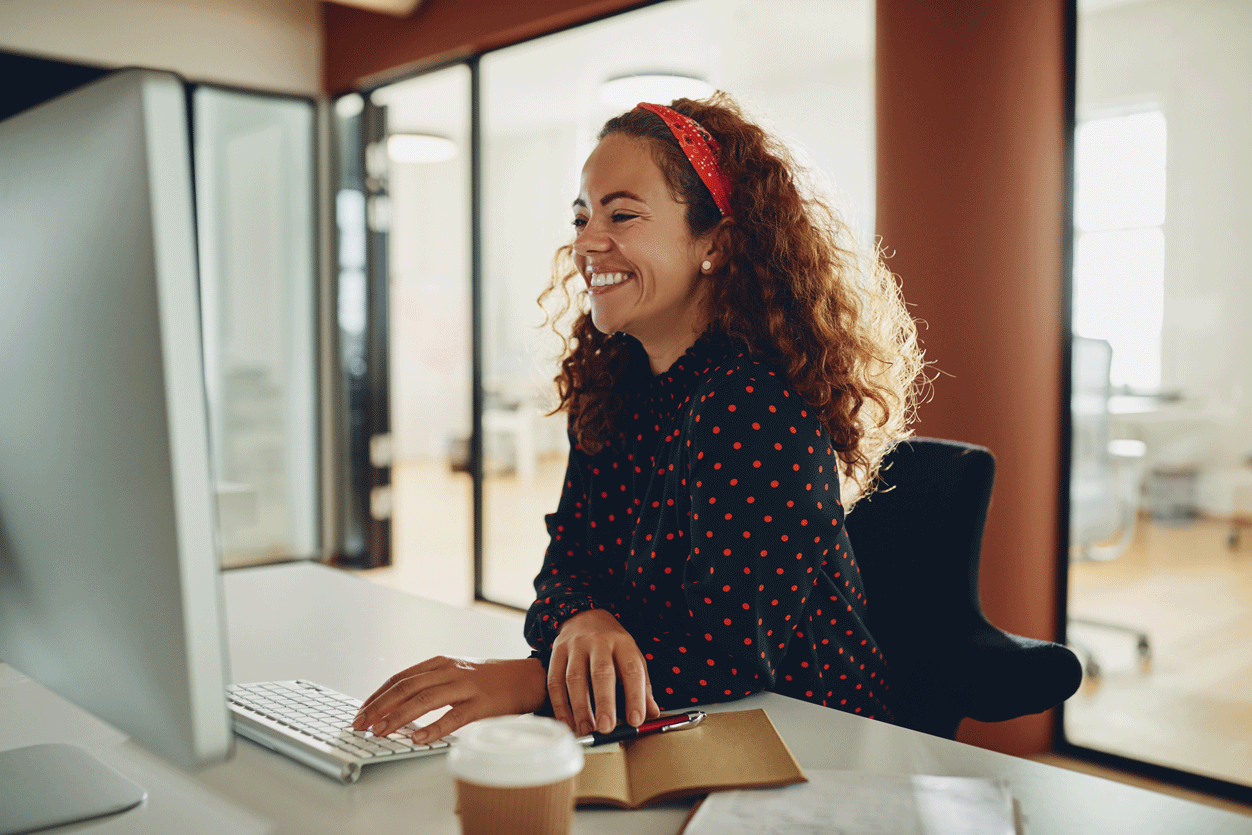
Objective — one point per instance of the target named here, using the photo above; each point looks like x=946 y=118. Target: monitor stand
x=55 y=784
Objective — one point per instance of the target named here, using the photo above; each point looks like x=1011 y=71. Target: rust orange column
x=971 y=110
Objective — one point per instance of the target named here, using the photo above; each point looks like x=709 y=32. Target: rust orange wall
x=971 y=136
x=971 y=124
x=358 y=44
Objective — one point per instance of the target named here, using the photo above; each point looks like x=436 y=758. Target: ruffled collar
x=710 y=352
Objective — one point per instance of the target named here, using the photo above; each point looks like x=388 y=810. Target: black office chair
x=918 y=545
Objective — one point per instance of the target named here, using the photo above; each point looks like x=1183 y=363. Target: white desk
x=308 y=621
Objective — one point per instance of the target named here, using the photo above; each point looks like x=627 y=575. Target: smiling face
x=635 y=251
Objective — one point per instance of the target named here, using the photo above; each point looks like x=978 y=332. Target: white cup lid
x=515 y=751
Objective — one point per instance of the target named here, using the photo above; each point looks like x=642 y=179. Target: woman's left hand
x=474 y=688
x=591 y=656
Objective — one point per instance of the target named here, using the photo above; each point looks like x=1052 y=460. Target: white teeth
x=606 y=279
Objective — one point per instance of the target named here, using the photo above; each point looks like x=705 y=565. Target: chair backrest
x=918 y=546
x=917 y=542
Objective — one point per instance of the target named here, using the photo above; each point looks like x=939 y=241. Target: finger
x=455 y=719
x=557 y=695
x=418 y=689
x=635 y=689
x=577 y=688
x=425 y=666
x=604 y=685
x=386 y=685
x=385 y=702
x=653 y=709
x=432 y=697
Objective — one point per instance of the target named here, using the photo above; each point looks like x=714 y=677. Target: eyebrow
x=609 y=198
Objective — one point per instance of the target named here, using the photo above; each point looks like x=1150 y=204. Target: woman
x=740 y=366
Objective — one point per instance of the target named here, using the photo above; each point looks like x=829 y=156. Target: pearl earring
x=706 y=266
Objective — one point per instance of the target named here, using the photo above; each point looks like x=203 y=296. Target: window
x=1119 y=246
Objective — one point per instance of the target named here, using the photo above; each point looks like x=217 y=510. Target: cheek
x=668 y=259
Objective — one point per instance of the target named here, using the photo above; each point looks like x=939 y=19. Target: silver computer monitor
x=110 y=589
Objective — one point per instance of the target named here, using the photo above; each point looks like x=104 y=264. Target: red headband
x=701 y=150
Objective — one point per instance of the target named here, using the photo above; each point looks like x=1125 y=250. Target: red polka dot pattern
x=712 y=527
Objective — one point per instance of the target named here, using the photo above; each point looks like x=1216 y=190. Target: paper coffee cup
x=515 y=774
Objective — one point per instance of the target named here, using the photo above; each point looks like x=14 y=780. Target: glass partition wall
x=255 y=179
x=806 y=66
x=428 y=157
x=542 y=103
x=1160 y=575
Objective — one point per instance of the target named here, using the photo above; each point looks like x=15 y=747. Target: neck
x=662 y=355
x=668 y=344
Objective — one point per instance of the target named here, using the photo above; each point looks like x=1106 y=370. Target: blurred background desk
x=304 y=620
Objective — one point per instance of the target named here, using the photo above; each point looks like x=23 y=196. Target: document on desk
x=855 y=803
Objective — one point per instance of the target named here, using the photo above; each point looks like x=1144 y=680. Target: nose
x=591 y=238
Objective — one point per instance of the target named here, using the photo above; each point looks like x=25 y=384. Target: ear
x=713 y=249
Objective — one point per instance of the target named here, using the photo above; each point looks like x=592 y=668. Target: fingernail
x=636 y=718
x=421 y=735
x=380 y=729
x=584 y=728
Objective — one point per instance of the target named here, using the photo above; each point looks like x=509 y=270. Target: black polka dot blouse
x=711 y=528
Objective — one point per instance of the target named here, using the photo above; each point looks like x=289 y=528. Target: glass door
x=1160 y=574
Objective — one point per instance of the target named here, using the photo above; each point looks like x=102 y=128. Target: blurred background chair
x=1105 y=484
x=918 y=543
x=1106 y=476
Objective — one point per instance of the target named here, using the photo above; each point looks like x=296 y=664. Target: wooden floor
x=1087 y=767
x=1190 y=708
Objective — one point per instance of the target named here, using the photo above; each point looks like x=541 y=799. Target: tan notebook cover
x=734 y=750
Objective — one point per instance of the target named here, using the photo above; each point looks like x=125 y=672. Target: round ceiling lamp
x=420 y=147
x=661 y=88
x=348 y=106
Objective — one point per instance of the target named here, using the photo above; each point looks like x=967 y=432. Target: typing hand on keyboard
x=473 y=689
x=313 y=725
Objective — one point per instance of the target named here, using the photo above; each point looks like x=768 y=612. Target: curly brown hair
x=795 y=287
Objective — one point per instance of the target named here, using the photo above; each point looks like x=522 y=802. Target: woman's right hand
x=473 y=689
x=590 y=655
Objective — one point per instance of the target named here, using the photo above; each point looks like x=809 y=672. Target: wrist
x=588 y=616
x=532 y=685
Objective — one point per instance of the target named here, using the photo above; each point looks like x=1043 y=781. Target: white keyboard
x=313 y=725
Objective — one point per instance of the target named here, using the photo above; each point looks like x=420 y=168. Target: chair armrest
x=1006 y=675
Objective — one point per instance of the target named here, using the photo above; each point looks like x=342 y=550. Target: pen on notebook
x=663 y=724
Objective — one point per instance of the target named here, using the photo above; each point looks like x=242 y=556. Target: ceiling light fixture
x=349 y=106
x=658 y=87
x=420 y=147
x=395 y=8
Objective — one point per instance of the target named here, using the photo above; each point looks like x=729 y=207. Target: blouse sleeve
x=765 y=517
x=570 y=580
